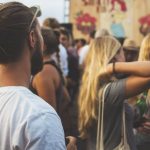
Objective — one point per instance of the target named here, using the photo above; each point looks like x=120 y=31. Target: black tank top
x=59 y=91
x=52 y=62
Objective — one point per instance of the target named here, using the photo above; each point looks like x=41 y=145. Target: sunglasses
x=36 y=10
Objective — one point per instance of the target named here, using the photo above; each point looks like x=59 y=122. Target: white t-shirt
x=82 y=54
x=63 y=60
x=27 y=122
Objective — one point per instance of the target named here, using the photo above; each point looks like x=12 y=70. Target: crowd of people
x=58 y=93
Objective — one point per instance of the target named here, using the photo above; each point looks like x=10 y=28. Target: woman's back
x=49 y=85
x=113 y=109
x=105 y=64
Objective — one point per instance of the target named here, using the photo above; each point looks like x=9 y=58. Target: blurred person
x=103 y=64
x=73 y=63
x=26 y=120
x=49 y=83
x=73 y=75
x=54 y=24
x=79 y=43
x=92 y=35
x=142 y=106
x=64 y=37
x=84 y=50
x=131 y=50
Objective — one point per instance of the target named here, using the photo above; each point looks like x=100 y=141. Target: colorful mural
x=145 y=24
x=97 y=3
x=88 y=2
x=122 y=18
x=118 y=11
x=121 y=3
x=85 y=23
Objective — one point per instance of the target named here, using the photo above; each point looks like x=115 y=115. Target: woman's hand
x=72 y=143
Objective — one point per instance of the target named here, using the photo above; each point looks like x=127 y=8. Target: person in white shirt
x=27 y=122
x=84 y=50
x=63 y=60
x=94 y=34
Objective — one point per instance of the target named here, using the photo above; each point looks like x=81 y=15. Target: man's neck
x=14 y=74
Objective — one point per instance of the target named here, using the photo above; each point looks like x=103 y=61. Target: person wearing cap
x=26 y=120
x=131 y=50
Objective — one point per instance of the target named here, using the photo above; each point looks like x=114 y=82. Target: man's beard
x=36 y=60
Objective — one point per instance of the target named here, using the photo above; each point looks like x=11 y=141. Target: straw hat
x=130 y=44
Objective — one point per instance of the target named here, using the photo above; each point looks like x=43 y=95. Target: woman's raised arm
x=139 y=76
x=137 y=68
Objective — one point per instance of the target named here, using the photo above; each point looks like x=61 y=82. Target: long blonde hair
x=101 y=51
x=144 y=54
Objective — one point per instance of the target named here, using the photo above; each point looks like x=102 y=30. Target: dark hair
x=50 y=41
x=83 y=41
x=92 y=34
x=57 y=34
x=64 y=32
x=15 y=19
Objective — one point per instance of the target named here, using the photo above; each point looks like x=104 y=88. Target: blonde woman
x=143 y=104
x=144 y=53
x=99 y=71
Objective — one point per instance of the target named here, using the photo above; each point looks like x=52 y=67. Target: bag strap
x=124 y=128
x=100 y=141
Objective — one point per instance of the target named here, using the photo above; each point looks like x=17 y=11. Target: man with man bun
x=27 y=122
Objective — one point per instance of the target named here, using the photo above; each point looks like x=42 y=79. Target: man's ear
x=32 y=39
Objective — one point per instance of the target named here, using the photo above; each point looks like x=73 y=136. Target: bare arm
x=137 y=68
x=136 y=85
x=139 y=79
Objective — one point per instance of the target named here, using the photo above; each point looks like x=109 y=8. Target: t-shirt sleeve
x=115 y=92
x=43 y=132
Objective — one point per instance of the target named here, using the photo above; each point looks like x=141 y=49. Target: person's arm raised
x=137 y=68
x=139 y=79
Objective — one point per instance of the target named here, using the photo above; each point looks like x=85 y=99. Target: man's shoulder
x=26 y=101
x=44 y=124
x=36 y=103
x=28 y=112
x=33 y=111
x=40 y=122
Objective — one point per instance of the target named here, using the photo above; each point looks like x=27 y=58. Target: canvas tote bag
x=100 y=142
